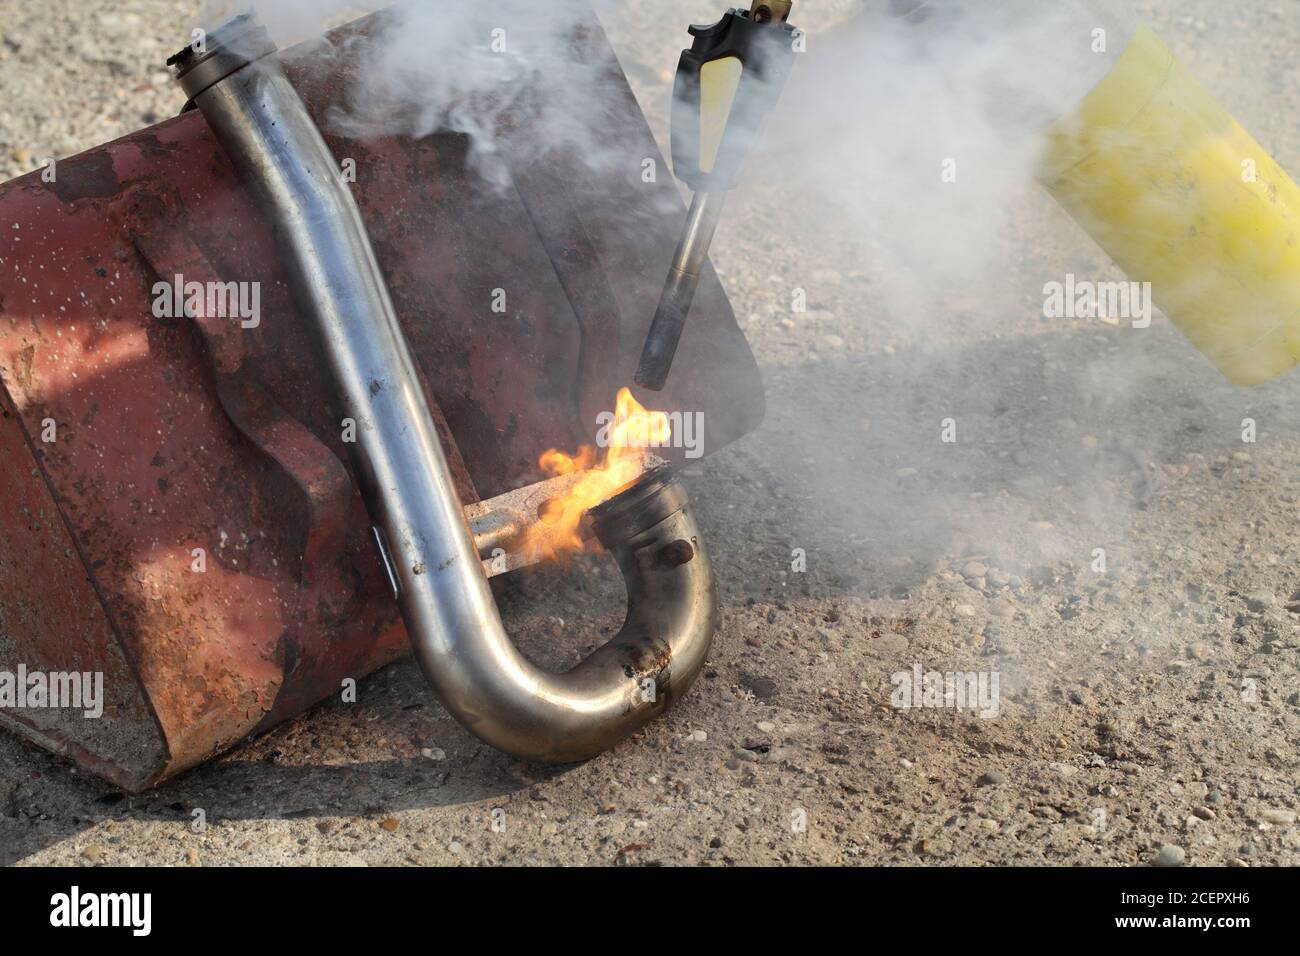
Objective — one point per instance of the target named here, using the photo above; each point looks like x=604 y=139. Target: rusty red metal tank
x=176 y=511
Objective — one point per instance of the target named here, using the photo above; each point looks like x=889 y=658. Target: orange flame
x=630 y=434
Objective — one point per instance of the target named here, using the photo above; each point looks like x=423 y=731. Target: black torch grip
x=726 y=82
x=666 y=331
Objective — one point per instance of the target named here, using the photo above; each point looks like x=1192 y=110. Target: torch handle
x=726 y=83
x=679 y=290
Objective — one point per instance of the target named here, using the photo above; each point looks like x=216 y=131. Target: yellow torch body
x=1179 y=195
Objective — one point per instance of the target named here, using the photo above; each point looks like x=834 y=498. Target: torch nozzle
x=679 y=291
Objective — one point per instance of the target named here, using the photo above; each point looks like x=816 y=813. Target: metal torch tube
x=679 y=290
x=444 y=596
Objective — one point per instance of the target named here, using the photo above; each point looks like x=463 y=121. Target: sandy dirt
x=1149 y=711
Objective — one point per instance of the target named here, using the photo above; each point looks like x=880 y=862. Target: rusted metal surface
x=176 y=433
x=51 y=613
x=315 y=473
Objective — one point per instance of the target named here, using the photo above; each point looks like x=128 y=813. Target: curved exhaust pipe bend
x=445 y=599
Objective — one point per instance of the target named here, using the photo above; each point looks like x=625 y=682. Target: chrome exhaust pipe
x=429 y=550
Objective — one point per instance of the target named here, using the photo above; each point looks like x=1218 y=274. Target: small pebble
x=1169 y=855
x=1278 y=817
x=1261 y=600
x=94 y=853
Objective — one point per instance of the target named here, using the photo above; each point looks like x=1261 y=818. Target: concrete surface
x=1154 y=705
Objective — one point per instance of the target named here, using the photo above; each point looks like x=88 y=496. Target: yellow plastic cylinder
x=1179 y=195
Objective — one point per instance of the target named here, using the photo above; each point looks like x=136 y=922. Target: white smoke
x=462 y=66
x=902 y=161
x=919 y=131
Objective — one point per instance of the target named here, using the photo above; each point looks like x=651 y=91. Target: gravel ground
x=1147 y=712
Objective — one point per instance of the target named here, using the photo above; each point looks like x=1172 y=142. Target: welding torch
x=726 y=83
